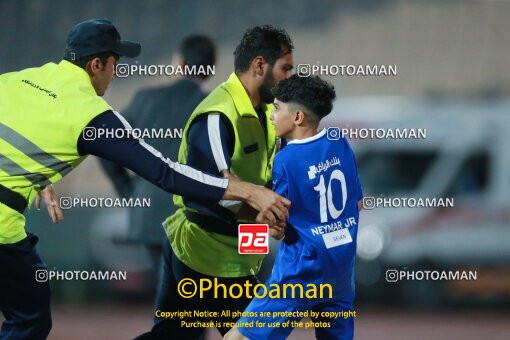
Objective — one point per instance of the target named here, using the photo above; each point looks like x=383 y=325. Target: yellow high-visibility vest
x=208 y=252
x=43 y=111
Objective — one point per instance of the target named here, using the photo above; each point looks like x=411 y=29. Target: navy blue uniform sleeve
x=210 y=143
x=210 y=148
x=121 y=179
x=136 y=155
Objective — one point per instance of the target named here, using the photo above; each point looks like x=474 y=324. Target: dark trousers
x=24 y=301
x=169 y=300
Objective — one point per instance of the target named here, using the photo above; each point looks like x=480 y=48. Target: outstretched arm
x=173 y=177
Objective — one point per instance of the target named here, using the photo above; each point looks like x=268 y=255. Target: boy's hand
x=271 y=206
x=277 y=231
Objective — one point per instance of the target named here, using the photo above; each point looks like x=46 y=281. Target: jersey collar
x=309 y=139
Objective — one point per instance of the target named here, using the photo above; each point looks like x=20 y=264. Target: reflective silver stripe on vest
x=13 y=169
x=33 y=151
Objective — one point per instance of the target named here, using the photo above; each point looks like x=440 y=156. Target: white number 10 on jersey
x=326 y=196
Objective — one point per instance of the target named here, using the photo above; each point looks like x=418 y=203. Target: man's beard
x=265 y=88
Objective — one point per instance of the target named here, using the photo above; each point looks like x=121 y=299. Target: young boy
x=319 y=176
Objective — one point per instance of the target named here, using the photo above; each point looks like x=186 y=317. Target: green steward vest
x=43 y=111
x=208 y=252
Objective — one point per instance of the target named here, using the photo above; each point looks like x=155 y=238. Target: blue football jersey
x=319 y=176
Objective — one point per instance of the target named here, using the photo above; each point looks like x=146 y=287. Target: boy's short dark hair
x=103 y=56
x=266 y=41
x=198 y=50
x=314 y=93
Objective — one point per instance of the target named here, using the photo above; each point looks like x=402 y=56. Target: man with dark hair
x=228 y=133
x=320 y=176
x=272 y=44
x=47 y=118
x=164 y=107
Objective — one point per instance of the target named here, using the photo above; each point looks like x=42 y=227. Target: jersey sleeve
x=360 y=189
x=144 y=160
x=280 y=182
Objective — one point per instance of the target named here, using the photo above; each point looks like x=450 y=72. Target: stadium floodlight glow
x=370 y=242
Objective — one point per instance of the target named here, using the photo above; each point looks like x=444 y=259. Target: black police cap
x=97 y=36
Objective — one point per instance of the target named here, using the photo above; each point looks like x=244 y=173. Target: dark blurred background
x=453 y=80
